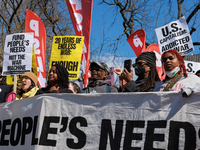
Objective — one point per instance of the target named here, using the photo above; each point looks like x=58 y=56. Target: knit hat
x=149 y=57
x=32 y=76
x=101 y=65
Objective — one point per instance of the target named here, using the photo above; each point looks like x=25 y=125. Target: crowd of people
x=176 y=79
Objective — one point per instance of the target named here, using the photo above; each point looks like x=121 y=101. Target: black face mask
x=139 y=71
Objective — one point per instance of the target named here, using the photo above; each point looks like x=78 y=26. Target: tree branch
x=193 y=13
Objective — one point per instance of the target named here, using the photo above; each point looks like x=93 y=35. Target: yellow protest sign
x=10 y=78
x=66 y=51
x=34 y=65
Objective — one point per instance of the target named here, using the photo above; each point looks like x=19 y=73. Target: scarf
x=173 y=81
x=30 y=93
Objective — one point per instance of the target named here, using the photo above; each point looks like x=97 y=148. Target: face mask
x=139 y=71
x=173 y=72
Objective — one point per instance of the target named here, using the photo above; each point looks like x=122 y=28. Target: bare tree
x=145 y=14
x=53 y=13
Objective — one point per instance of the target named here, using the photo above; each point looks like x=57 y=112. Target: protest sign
x=192 y=67
x=175 y=35
x=143 y=120
x=66 y=51
x=110 y=78
x=17 y=53
x=10 y=78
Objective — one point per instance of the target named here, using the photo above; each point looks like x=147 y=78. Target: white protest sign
x=17 y=53
x=110 y=78
x=192 y=67
x=175 y=35
x=140 y=120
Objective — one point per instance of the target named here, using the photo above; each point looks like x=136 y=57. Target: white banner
x=175 y=35
x=163 y=120
x=192 y=67
x=17 y=53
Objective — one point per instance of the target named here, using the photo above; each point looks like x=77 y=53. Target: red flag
x=155 y=48
x=81 y=13
x=137 y=41
x=34 y=24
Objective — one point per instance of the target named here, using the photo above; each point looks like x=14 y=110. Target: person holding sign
x=57 y=80
x=99 y=72
x=29 y=86
x=177 y=78
x=145 y=69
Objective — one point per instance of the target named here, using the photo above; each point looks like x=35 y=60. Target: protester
x=198 y=73
x=177 y=78
x=11 y=95
x=57 y=80
x=29 y=86
x=99 y=72
x=74 y=87
x=145 y=69
x=4 y=88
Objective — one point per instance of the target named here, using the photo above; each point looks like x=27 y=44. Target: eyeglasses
x=139 y=64
x=97 y=69
x=165 y=59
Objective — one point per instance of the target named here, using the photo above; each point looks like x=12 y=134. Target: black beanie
x=149 y=57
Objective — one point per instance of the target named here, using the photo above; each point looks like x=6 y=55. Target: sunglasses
x=97 y=69
x=139 y=64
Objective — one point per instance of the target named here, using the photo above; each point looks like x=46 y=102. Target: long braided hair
x=180 y=58
x=152 y=78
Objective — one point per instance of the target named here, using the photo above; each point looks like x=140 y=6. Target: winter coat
x=99 y=87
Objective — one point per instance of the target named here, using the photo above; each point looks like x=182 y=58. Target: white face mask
x=173 y=72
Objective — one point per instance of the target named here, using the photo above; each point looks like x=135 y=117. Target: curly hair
x=62 y=74
x=180 y=58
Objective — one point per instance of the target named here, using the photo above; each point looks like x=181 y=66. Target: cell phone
x=128 y=64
